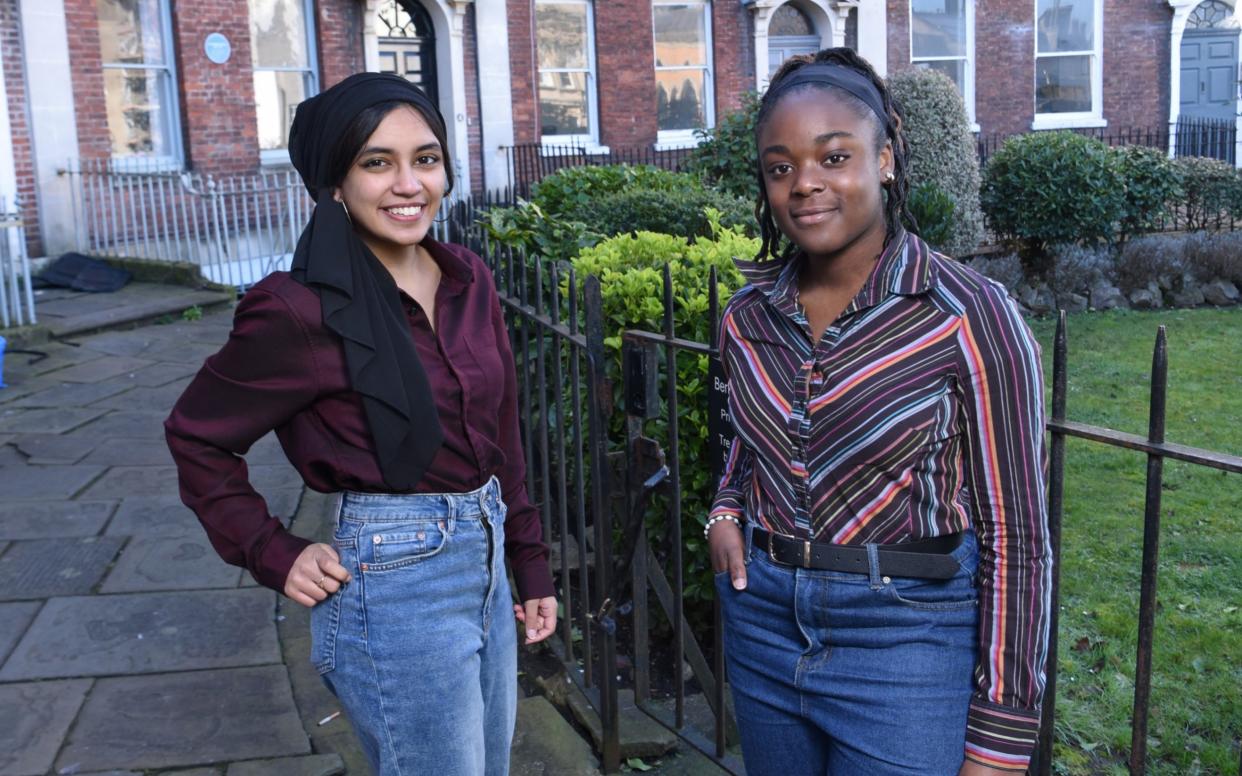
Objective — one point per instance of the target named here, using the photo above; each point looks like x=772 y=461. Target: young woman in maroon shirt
x=382 y=363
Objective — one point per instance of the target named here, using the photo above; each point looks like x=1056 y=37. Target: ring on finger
x=319 y=582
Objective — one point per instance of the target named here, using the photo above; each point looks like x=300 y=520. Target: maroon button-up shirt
x=283 y=369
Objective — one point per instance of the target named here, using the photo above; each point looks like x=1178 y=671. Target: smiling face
x=823 y=174
x=394 y=186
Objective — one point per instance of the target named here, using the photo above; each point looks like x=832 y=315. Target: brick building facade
x=618 y=74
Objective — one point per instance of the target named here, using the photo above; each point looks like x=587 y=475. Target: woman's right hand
x=728 y=549
x=316 y=574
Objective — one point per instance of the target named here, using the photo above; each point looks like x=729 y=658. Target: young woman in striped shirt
x=880 y=532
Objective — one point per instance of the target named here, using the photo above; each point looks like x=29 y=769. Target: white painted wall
x=8 y=169
x=49 y=88
x=495 y=91
x=873 y=34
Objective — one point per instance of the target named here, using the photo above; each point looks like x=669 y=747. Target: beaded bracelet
x=708 y=527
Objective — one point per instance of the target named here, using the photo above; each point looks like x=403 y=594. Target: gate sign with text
x=719 y=424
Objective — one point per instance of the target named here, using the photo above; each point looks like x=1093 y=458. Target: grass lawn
x=1196 y=707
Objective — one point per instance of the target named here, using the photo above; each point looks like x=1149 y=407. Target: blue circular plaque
x=218 y=48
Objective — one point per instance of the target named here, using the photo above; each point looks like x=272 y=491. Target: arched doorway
x=1209 y=62
x=407 y=43
x=790 y=32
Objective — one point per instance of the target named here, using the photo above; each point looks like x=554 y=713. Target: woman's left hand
x=539 y=615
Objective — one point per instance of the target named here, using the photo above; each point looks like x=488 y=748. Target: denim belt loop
x=750 y=540
x=873 y=566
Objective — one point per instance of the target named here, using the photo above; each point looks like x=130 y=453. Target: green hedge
x=943 y=155
x=671 y=212
x=725 y=157
x=630 y=269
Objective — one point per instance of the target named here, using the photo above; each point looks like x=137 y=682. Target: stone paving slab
x=121 y=451
x=147 y=633
x=14 y=617
x=16 y=388
x=189 y=352
x=50 y=519
x=55 y=449
x=309 y=765
x=58 y=357
x=154 y=516
x=45 y=483
x=11 y=457
x=186 y=719
x=121 y=344
x=71 y=395
x=544 y=744
x=42 y=568
x=161 y=374
x=144 y=425
x=102 y=369
x=47 y=421
x=143 y=398
x=37 y=717
x=187 y=563
x=121 y=481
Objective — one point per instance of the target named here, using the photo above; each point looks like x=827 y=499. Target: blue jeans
x=421 y=646
x=843 y=674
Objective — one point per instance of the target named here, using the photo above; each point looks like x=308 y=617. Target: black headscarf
x=360 y=300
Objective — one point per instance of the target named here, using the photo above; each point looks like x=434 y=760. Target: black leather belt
x=925 y=559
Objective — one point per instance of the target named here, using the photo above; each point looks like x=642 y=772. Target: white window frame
x=310 y=80
x=686 y=138
x=968 y=71
x=175 y=159
x=589 y=140
x=1079 y=119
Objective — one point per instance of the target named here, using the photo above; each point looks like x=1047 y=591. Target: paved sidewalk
x=126 y=645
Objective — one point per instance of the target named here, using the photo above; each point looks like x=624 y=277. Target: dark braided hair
x=896 y=211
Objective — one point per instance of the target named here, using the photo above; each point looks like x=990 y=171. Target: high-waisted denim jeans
x=844 y=674
x=421 y=647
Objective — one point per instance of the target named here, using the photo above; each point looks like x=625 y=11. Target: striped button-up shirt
x=919 y=413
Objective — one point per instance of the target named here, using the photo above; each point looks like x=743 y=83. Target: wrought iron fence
x=16 y=295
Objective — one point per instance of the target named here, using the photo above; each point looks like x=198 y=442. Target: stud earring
x=889 y=177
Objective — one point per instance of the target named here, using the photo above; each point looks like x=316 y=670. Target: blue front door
x=1210 y=74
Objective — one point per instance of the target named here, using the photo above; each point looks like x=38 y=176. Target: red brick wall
x=625 y=58
x=522 y=70
x=1136 y=63
x=474 y=121
x=1004 y=65
x=217 y=101
x=19 y=122
x=1135 y=49
x=338 y=32
x=732 y=53
x=82 y=26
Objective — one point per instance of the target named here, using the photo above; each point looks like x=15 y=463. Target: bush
x=630 y=270
x=671 y=212
x=529 y=229
x=1044 y=188
x=1004 y=268
x=1152 y=186
x=1213 y=191
x=1213 y=256
x=934 y=210
x=1076 y=268
x=725 y=159
x=1147 y=259
x=942 y=153
x=570 y=188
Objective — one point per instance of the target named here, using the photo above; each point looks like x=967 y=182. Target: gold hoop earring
x=347 y=217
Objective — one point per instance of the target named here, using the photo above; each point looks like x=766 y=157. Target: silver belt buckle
x=806 y=550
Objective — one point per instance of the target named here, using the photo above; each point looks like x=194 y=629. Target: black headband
x=839 y=76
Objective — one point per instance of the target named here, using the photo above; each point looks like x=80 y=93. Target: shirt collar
x=456 y=270
x=904 y=268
